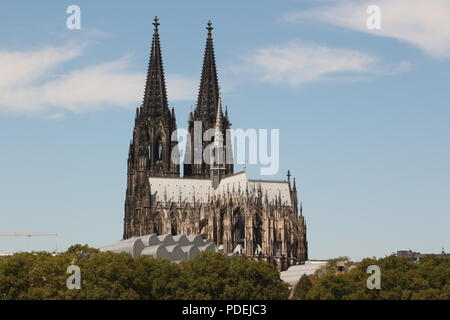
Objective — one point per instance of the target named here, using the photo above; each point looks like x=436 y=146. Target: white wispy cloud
x=32 y=82
x=21 y=68
x=422 y=23
x=297 y=63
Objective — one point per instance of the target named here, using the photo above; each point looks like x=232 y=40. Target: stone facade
x=257 y=218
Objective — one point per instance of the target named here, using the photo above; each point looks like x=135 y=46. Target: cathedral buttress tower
x=206 y=112
x=154 y=141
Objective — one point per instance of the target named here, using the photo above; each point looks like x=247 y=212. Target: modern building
x=415 y=256
x=293 y=274
x=4 y=254
x=174 y=248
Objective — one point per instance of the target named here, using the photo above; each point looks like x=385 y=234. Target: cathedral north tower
x=152 y=151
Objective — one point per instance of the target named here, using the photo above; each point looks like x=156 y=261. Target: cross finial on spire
x=209 y=27
x=289 y=176
x=156 y=23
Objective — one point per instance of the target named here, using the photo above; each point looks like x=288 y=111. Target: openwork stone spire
x=155 y=96
x=206 y=112
x=208 y=94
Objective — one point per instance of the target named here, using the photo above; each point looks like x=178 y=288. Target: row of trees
x=427 y=279
x=106 y=275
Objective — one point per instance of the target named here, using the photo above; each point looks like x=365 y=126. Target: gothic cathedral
x=260 y=219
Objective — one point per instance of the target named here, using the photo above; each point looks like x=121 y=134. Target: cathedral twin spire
x=155 y=95
x=154 y=135
x=207 y=112
x=208 y=94
x=155 y=124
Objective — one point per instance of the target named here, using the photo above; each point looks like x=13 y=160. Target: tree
x=107 y=275
x=217 y=276
x=400 y=280
x=302 y=287
x=79 y=248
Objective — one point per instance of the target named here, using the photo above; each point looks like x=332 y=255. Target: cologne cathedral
x=260 y=219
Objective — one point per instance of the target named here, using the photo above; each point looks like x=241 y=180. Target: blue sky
x=363 y=114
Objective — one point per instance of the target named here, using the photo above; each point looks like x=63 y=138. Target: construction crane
x=27 y=234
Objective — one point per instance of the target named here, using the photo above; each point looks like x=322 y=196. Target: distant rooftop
x=413 y=256
x=4 y=254
x=294 y=273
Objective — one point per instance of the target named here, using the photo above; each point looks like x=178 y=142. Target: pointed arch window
x=257 y=227
x=157 y=224
x=174 y=228
x=150 y=152
x=160 y=151
x=239 y=226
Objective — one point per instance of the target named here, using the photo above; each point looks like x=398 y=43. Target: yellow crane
x=27 y=234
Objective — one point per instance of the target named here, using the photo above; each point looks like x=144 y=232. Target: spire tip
x=156 y=23
x=209 y=27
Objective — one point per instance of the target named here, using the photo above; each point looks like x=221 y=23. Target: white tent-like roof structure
x=133 y=246
x=293 y=274
x=174 y=248
x=157 y=251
